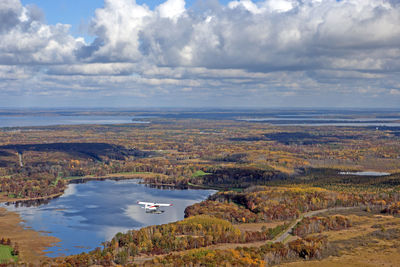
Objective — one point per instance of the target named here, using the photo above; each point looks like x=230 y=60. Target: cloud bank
x=273 y=52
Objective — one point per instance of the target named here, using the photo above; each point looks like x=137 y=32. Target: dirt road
x=282 y=237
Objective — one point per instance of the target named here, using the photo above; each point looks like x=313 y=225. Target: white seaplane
x=151 y=207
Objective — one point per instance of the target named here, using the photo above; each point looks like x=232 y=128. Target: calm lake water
x=25 y=121
x=312 y=121
x=93 y=212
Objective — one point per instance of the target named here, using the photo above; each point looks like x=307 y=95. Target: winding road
x=282 y=237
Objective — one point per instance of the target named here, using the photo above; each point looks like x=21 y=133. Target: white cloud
x=93 y=69
x=25 y=39
x=246 y=4
x=171 y=9
x=263 y=48
x=117 y=28
x=280 y=5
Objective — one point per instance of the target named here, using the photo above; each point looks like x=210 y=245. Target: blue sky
x=239 y=53
x=78 y=13
x=73 y=12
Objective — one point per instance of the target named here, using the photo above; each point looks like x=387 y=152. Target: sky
x=200 y=53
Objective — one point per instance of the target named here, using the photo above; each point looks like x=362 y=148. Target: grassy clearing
x=55 y=182
x=5 y=254
x=76 y=177
x=199 y=173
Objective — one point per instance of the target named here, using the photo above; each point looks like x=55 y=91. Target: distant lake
x=303 y=120
x=91 y=213
x=27 y=121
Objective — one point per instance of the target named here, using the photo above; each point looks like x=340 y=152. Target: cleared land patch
x=6 y=254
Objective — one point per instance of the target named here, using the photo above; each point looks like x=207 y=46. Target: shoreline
x=115 y=176
x=8 y=200
x=32 y=244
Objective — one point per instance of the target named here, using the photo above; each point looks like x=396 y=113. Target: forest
x=268 y=179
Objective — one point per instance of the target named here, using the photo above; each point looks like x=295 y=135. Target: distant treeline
x=299 y=138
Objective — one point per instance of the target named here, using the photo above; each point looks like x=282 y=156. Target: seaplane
x=151 y=207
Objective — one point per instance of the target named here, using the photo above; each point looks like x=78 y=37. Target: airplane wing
x=145 y=203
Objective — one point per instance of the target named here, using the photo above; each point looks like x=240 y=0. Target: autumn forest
x=285 y=193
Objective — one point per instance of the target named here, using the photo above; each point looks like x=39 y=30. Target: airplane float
x=151 y=207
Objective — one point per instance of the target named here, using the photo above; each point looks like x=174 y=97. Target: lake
x=93 y=212
x=53 y=118
x=302 y=120
x=31 y=121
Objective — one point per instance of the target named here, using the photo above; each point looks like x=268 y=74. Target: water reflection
x=91 y=213
x=30 y=203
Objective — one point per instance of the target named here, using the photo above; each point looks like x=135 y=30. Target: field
x=5 y=254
